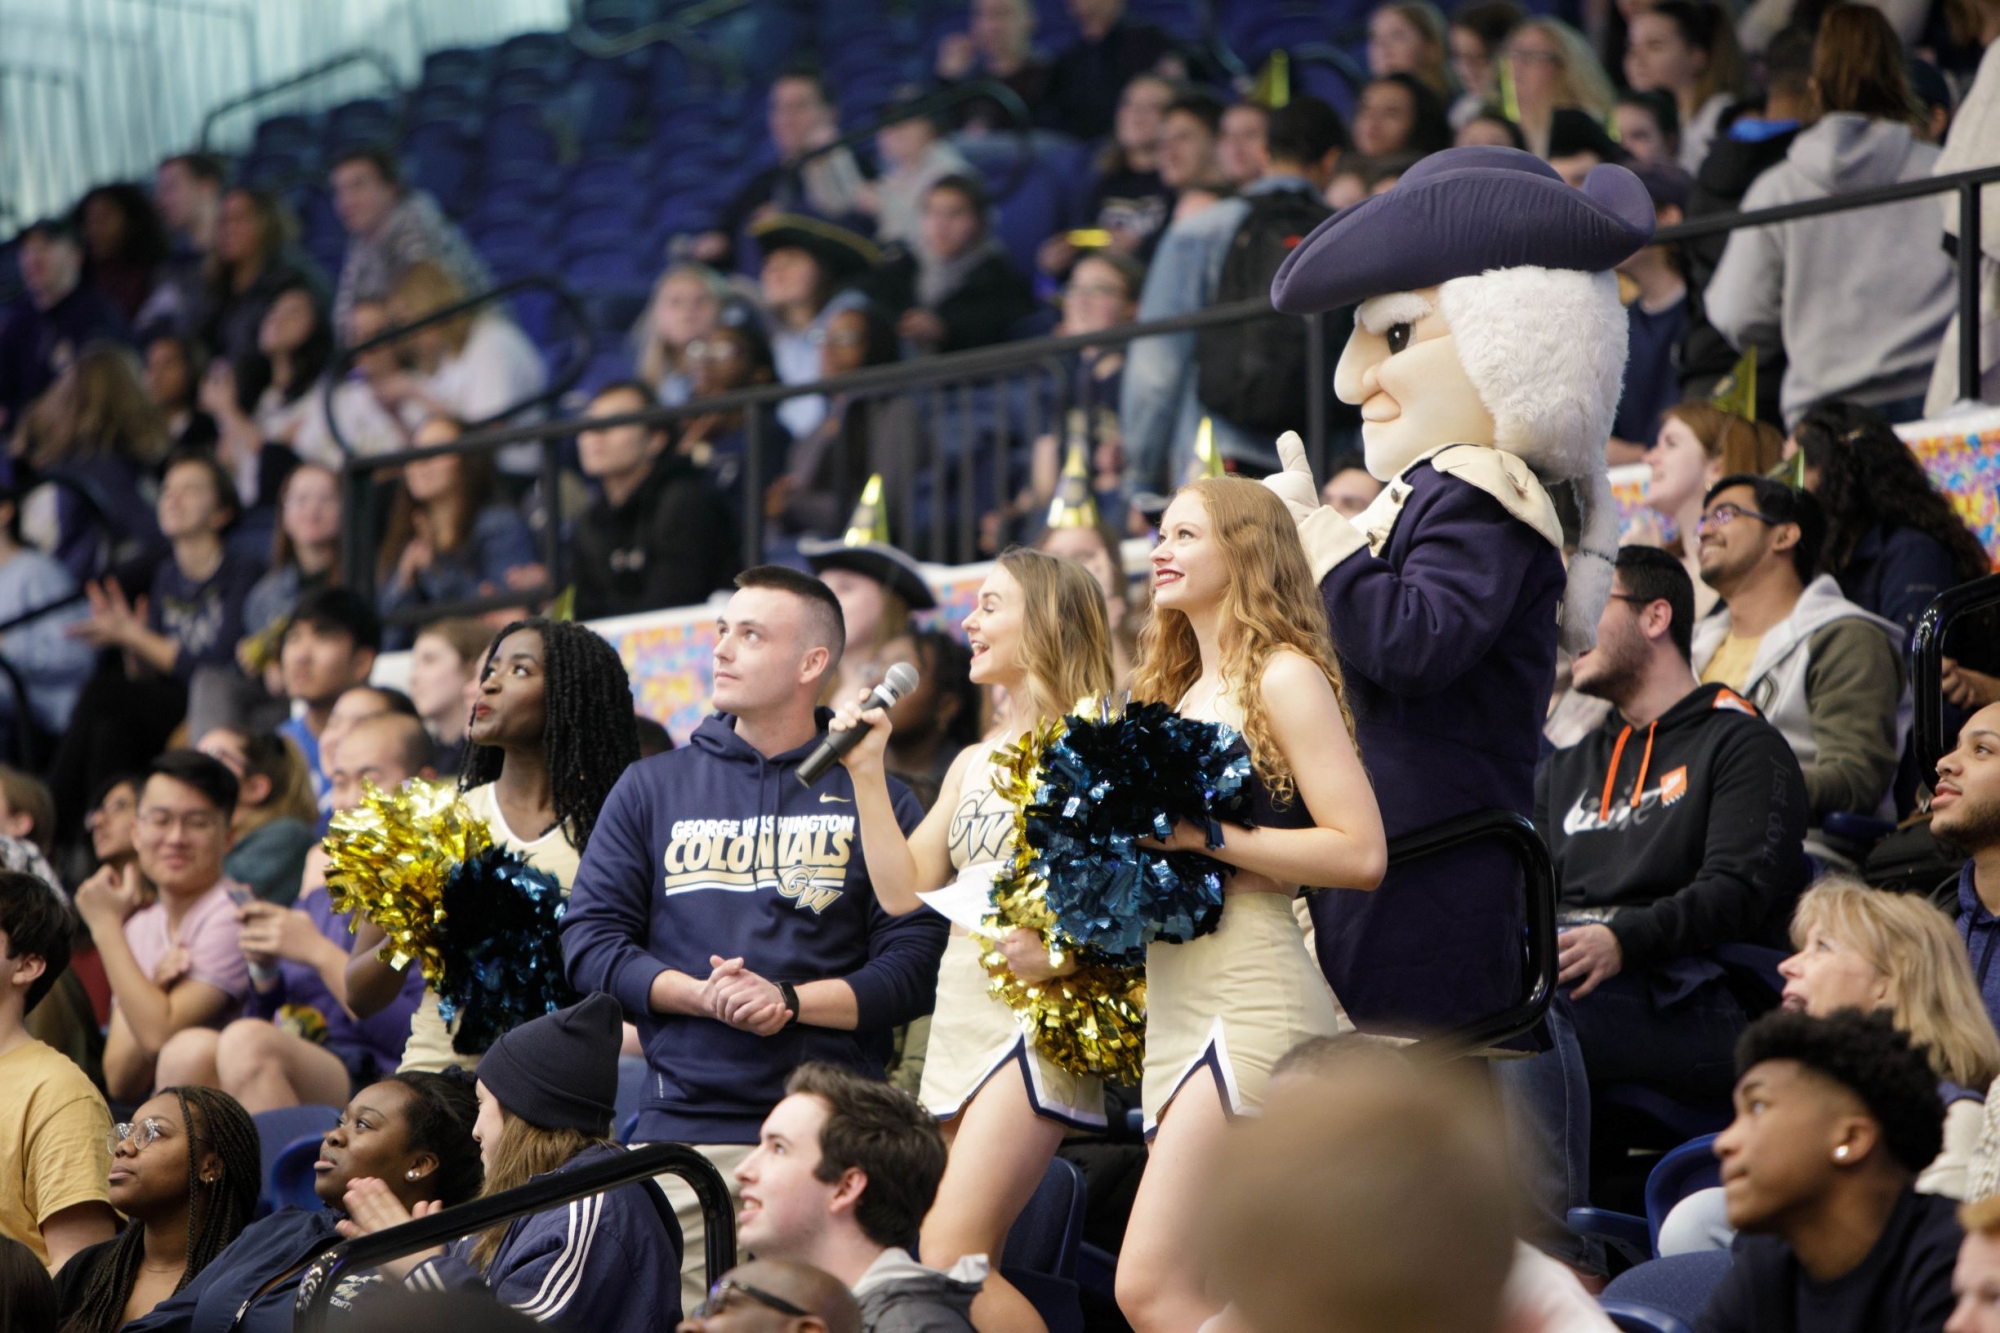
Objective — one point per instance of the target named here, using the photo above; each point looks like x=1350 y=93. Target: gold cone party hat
x=1074 y=506
x=1274 y=82
x=870 y=522
x=1736 y=393
x=1208 y=458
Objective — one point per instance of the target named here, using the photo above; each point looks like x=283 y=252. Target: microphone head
x=899 y=680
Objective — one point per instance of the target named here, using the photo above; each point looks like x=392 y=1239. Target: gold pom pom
x=1092 y=1021
x=388 y=859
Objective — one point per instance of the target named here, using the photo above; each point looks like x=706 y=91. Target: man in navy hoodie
x=1965 y=812
x=726 y=905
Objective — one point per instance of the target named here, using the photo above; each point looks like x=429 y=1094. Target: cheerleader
x=1038 y=632
x=1238 y=635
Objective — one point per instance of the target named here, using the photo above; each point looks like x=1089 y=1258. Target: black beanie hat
x=560 y=1071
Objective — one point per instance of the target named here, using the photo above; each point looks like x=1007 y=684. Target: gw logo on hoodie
x=803 y=857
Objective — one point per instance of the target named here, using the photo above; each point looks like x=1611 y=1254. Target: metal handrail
x=1518 y=836
x=1927 y=665
x=675 y=31
x=332 y=65
x=323 y=1274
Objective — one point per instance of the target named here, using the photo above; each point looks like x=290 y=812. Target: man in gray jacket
x=1824 y=672
x=844 y=1170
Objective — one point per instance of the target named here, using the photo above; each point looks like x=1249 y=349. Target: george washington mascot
x=1487 y=354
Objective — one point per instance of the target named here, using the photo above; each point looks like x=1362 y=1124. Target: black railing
x=1966 y=183
x=312 y=74
x=1538 y=884
x=317 y=1283
x=359 y=512
x=1927 y=665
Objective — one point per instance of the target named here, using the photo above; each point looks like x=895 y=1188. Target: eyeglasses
x=719 y=1297
x=143 y=1134
x=194 y=821
x=1723 y=515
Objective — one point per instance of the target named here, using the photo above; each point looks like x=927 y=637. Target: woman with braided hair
x=412 y=1133
x=185 y=1172
x=551 y=731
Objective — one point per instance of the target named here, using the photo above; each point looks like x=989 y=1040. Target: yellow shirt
x=429 y=1048
x=1732 y=662
x=53 y=1125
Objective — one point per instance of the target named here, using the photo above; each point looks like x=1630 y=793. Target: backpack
x=1254 y=374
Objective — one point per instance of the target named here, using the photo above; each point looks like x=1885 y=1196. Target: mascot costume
x=1486 y=359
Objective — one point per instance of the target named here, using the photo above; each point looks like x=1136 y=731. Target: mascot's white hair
x=1545 y=348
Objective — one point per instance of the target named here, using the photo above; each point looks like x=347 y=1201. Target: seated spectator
x=937 y=719
x=1392 y=1171
x=1129 y=202
x=1859 y=948
x=1699 y=847
x=1975 y=1279
x=410 y=1132
x=251 y=264
x=1578 y=143
x=1350 y=487
x=915 y=156
x=475 y=368
x=545 y=1104
x=444 y=661
x=1551 y=68
x=1687 y=49
x=174 y=964
x=50 y=664
x=186 y=1171
x=1161 y=405
x=187 y=188
x=808 y=268
x=189 y=620
x=390 y=227
x=124 y=246
x=175 y=365
x=1488 y=127
x=1892 y=540
x=998 y=44
x=877 y=586
x=800 y=117
x=956 y=288
x=1408 y=37
x=112 y=819
x=1109 y=52
x=27 y=810
x=98 y=438
x=737 y=356
x=1750 y=142
x=53 y=319
x=387 y=749
x=361 y=402
x=762 y=1288
x=1189 y=166
x=277 y=813
x=844 y=1171
x=1241 y=149
x=329 y=647
x=53 y=1159
x=355 y=706
x=685 y=307
x=1827 y=673
x=1478 y=33
x=1655 y=320
x=659 y=534
x=1860 y=311
x=1697 y=445
x=1965 y=814
x=1649 y=127
x=449 y=538
x=294 y=352
x=305 y=558
x=860 y=436
x=1835 y=1119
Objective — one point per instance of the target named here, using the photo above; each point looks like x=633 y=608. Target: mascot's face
x=1401 y=367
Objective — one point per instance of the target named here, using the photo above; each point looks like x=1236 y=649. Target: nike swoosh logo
x=827 y=798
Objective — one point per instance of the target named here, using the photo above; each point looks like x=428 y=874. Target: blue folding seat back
x=603 y=270
x=456 y=66
x=1631 y=1317
x=1040 y=1257
x=1678 y=1285
x=365 y=120
x=282 y=1130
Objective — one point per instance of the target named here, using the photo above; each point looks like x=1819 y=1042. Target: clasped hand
x=735 y=995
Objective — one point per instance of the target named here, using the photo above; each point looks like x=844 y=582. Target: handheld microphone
x=898 y=681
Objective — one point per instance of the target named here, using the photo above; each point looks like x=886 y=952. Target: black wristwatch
x=790 y=994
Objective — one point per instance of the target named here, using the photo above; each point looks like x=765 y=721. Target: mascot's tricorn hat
x=1521 y=261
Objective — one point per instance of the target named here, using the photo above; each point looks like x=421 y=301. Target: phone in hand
x=240 y=894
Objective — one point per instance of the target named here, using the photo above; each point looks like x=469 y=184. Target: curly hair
x=1867 y=478
x=219 y=1207
x=1269 y=605
x=1871 y=1058
x=591 y=733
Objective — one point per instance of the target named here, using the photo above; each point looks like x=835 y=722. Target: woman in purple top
x=297 y=1042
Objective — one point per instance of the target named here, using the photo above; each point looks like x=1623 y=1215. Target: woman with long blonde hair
x=1238 y=635
x=1038 y=631
x=1865 y=948
x=1548 y=67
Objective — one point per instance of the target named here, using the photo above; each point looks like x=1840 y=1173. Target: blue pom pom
x=502 y=959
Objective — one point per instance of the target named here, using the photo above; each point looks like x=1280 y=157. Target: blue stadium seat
x=286 y=134
x=1678 y=1285
x=517 y=133
x=544 y=52
x=1629 y=1317
x=1680 y=1172
x=1184 y=19
x=610 y=95
x=367 y=120
x=603 y=181
x=457 y=67
x=603 y=270
x=283 y=1136
x=434 y=157
x=611 y=314
x=443 y=105
x=1040 y=1257
x=505 y=237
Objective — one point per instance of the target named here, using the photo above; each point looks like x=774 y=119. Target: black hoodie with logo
x=1680 y=835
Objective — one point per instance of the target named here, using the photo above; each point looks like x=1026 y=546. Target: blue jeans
x=1619 y=1033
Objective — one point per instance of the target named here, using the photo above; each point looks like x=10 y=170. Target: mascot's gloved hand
x=1293 y=482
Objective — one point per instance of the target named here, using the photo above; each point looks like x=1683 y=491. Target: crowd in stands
x=196 y=586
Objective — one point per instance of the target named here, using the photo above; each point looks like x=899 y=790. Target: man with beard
x=1965 y=812
x=1674 y=827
